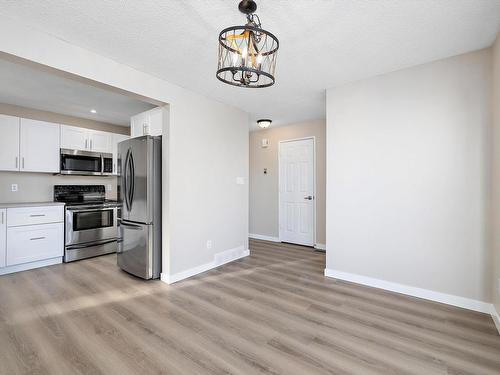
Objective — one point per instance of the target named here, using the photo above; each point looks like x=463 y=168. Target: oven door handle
x=109 y=208
x=82 y=246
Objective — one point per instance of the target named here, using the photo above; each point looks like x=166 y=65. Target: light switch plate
x=109 y=188
x=13 y=187
x=209 y=244
x=240 y=181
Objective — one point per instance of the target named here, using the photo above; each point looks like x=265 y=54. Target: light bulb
x=235 y=58
x=259 y=59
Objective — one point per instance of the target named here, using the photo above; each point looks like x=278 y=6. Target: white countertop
x=30 y=204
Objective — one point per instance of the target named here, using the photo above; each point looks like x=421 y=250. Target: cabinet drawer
x=34 y=215
x=34 y=242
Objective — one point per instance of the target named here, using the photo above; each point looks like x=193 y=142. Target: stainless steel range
x=91 y=221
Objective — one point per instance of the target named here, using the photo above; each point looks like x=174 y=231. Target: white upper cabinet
x=100 y=141
x=76 y=138
x=156 y=117
x=39 y=146
x=117 y=138
x=9 y=143
x=148 y=123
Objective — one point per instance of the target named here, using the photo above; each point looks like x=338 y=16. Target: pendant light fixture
x=264 y=123
x=247 y=54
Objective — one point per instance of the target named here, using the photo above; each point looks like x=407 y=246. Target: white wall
x=408 y=178
x=208 y=149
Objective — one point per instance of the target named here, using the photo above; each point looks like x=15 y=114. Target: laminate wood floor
x=272 y=313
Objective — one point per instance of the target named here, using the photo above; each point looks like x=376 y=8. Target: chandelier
x=247 y=54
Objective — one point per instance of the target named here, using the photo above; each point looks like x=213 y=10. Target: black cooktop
x=81 y=194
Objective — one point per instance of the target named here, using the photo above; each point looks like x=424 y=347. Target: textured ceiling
x=323 y=43
x=30 y=87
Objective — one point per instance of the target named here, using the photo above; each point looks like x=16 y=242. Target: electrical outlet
x=109 y=188
x=209 y=244
x=13 y=187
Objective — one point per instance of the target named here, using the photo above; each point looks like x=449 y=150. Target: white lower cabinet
x=31 y=237
x=34 y=242
x=3 y=236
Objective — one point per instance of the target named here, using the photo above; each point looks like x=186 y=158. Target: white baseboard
x=431 y=295
x=30 y=265
x=496 y=317
x=320 y=246
x=263 y=237
x=219 y=259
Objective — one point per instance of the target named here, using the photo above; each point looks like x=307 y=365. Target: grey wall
x=495 y=228
x=408 y=176
x=38 y=187
x=35 y=114
x=264 y=188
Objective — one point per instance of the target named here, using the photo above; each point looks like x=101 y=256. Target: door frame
x=314 y=185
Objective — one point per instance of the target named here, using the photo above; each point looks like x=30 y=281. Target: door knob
x=309 y=197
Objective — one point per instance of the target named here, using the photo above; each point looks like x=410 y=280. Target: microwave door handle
x=102 y=164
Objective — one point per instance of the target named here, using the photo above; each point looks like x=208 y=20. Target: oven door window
x=80 y=163
x=84 y=220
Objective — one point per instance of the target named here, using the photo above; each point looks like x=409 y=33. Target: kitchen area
x=80 y=172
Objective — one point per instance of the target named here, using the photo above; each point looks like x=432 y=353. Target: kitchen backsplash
x=38 y=187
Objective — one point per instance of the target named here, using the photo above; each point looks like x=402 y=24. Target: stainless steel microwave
x=91 y=163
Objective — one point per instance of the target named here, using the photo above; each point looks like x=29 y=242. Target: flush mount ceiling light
x=264 y=123
x=93 y=111
x=247 y=54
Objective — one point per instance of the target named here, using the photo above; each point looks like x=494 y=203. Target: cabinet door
x=156 y=121
x=3 y=236
x=9 y=143
x=139 y=125
x=117 y=138
x=100 y=141
x=34 y=242
x=74 y=138
x=39 y=146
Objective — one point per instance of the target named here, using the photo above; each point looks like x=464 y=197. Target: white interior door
x=296 y=211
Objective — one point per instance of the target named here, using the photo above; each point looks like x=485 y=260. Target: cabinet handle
x=16 y=161
x=23 y=162
x=85 y=144
x=37 y=215
x=91 y=144
x=36 y=238
x=2 y=217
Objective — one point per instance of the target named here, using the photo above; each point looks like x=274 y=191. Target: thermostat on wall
x=265 y=142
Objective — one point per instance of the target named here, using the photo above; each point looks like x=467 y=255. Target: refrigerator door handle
x=132 y=179
x=125 y=181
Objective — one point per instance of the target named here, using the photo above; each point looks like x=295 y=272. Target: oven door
x=81 y=162
x=90 y=224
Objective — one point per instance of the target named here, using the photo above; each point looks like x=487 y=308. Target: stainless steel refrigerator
x=139 y=193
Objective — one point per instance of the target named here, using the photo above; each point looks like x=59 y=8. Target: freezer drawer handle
x=131 y=226
x=37 y=215
x=37 y=238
